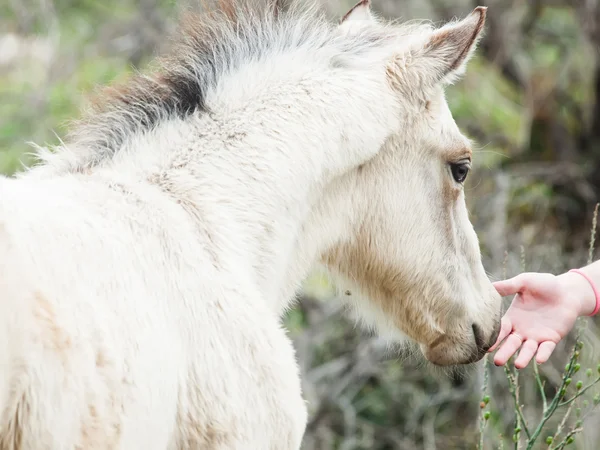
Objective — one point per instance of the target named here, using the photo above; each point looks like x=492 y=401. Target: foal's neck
x=265 y=162
x=255 y=169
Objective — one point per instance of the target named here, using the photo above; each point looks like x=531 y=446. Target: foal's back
x=78 y=357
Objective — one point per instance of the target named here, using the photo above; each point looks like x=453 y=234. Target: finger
x=505 y=329
x=511 y=286
x=526 y=353
x=510 y=346
x=544 y=351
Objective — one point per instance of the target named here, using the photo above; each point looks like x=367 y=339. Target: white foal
x=145 y=264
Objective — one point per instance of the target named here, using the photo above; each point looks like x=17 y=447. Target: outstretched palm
x=541 y=314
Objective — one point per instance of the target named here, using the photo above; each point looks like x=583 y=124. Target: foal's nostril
x=479 y=340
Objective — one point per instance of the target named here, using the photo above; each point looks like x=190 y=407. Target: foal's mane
x=207 y=46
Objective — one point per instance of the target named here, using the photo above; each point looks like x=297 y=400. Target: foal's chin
x=448 y=353
x=451 y=359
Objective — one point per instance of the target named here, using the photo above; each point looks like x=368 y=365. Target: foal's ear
x=452 y=46
x=443 y=55
x=360 y=11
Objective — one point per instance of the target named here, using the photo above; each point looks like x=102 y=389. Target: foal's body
x=143 y=274
x=126 y=358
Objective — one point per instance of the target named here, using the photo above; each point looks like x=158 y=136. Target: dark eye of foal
x=459 y=171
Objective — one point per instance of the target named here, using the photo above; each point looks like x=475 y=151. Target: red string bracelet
x=594 y=288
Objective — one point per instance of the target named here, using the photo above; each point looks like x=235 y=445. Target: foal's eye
x=460 y=171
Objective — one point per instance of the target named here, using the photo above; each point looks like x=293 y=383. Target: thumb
x=510 y=286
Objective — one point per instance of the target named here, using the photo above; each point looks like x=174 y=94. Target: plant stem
x=593 y=235
x=513 y=387
x=571 y=433
x=563 y=422
x=580 y=393
x=576 y=429
x=556 y=400
x=482 y=420
x=540 y=385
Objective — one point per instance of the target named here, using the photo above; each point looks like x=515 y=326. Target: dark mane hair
x=207 y=45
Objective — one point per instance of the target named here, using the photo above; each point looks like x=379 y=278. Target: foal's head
x=413 y=253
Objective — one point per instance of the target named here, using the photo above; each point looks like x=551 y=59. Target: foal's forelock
x=208 y=47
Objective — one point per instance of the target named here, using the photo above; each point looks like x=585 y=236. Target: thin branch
x=513 y=387
x=580 y=393
x=540 y=385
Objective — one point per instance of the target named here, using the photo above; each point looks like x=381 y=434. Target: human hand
x=542 y=312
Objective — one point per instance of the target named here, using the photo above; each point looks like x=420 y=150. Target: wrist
x=578 y=288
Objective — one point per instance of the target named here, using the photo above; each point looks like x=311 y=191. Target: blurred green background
x=530 y=100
